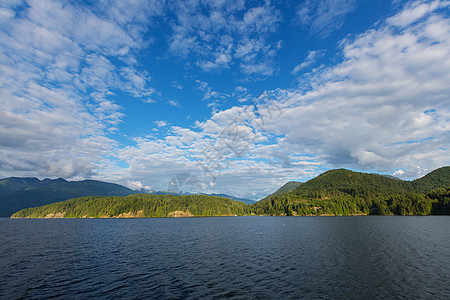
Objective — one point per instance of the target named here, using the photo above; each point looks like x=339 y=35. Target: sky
x=242 y=95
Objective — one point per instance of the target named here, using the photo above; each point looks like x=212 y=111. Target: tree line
x=335 y=192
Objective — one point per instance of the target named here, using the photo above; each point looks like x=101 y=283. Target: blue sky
x=245 y=95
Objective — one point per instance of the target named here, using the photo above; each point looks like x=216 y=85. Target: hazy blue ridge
x=244 y=200
x=19 y=193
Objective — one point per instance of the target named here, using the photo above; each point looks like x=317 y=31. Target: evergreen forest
x=335 y=192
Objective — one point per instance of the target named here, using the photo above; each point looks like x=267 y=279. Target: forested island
x=138 y=205
x=335 y=192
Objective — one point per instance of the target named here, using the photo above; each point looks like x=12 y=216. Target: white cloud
x=241 y=89
x=57 y=85
x=323 y=17
x=135 y=82
x=132 y=13
x=241 y=94
x=217 y=34
x=148 y=100
x=177 y=85
x=260 y=19
x=227 y=153
x=213 y=97
x=263 y=68
x=309 y=61
x=398 y=173
x=384 y=107
x=414 y=12
x=174 y=103
x=136 y=185
x=160 y=123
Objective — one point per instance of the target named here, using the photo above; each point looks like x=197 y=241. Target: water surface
x=368 y=257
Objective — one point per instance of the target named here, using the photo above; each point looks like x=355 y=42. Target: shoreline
x=221 y=216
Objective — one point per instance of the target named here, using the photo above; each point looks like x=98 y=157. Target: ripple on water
x=236 y=258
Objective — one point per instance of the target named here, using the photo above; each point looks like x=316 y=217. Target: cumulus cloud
x=160 y=123
x=57 y=83
x=227 y=153
x=383 y=107
x=136 y=185
x=398 y=173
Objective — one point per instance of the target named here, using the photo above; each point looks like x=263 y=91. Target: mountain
x=389 y=176
x=138 y=205
x=14 y=184
x=347 y=181
x=344 y=192
x=435 y=179
x=335 y=192
x=244 y=200
x=289 y=186
x=18 y=193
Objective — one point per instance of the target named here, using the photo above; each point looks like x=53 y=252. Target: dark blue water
x=233 y=257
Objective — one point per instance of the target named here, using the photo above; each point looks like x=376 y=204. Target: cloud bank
x=381 y=107
x=57 y=83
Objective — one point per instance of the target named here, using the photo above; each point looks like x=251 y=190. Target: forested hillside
x=335 y=192
x=343 y=192
x=289 y=186
x=436 y=179
x=138 y=205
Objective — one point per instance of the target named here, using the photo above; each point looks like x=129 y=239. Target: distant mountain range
x=244 y=200
x=18 y=193
x=335 y=192
x=248 y=201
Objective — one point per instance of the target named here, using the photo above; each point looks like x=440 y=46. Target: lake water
x=370 y=257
